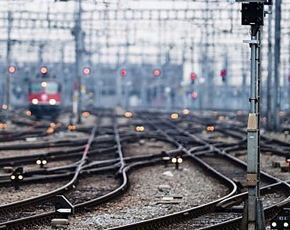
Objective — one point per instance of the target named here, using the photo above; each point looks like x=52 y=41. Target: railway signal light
x=194 y=95
x=281 y=221
x=123 y=72
x=176 y=160
x=223 y=75
x=289 y=78
x=253 y=13
x=174 y=116
x=11 y=69
x=185 y=111
x=193 y=78
x=3 y=125
x=50 y=131
x=128 y=114
x=156 y=72
x=43 y=70
x=86 y=114
x=16 y=177
x=210 y=128
x=139 y=128
x=72 y=127
x=4 y=106
x=41 y=162
x=86 y=71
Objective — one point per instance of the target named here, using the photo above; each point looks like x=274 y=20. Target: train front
x=45 y=98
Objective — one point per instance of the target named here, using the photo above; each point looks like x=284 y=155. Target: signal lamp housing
x=210 y=128
x=140 y=128
x=174 y=116
x=156 y=72
x=11 y=69
x=128 y=114
x=43 y=70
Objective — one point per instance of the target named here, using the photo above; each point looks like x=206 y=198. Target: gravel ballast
x=141 y=201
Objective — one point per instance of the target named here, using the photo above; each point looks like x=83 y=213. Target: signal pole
x=8 y=60
x=269 y=78
x=78 y=59
x=277 y=46
x=253 y=215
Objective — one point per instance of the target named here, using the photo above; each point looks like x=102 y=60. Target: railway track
x=196 y=215
x=211 y=155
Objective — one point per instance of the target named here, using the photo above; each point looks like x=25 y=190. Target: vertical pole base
x=260 y=218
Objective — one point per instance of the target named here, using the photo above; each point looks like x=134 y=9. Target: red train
x=44 y=96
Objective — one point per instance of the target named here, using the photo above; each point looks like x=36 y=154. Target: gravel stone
x=139 y=203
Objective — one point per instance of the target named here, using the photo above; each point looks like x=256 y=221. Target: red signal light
x=86 y=71
x=43 y=70
x=289 y=78
x=156 y=72
x=194 y=95
x=193 y=76
x=223 y=73
x=11 y=69
x=123 y=72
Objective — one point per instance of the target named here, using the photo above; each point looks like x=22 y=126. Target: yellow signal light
x=86 y=114
x=174 y=116
x=185 y=111
x=50 y=130
x=72 y=127
x=210 y=128
x=128 y=114
x=140 y=128
x=179 y=160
